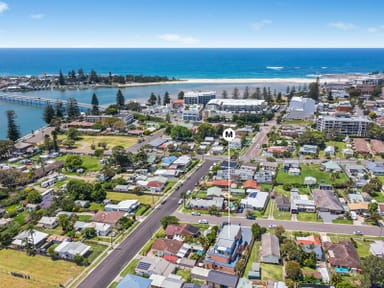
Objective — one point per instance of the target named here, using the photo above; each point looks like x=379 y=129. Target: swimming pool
x=341 y=270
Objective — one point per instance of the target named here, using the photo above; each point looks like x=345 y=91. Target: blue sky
x=193 y=23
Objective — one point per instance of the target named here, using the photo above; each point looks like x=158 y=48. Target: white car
x=194 y=213
x=203 y=221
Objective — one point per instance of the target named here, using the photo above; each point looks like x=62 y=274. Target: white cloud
x=3 y=7
x=342 y=25
x=178 y=39
x=261 y=24
x=37 y=16
x=375 y=29
x=372 y=30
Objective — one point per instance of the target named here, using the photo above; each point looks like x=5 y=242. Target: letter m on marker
x=228 y=134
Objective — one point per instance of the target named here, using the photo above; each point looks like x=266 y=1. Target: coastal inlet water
x=30 y=118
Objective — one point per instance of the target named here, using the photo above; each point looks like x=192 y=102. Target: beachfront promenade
x=39 y=101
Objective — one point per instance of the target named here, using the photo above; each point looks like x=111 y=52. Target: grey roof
x=157 y=142
x=73 y=248
x=326 y=199
x=270 y=245
x=222 y=278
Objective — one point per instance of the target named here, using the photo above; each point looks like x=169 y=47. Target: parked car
x=251 y=217
x=357 y=232
x=194 y=213
x=272 y=226
x=203 y=221
x=180 y=201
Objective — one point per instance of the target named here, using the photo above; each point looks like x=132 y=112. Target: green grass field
x=342 y=221
x=85 y=141
x=309 y=170
x=90 y=163
x=339 y=146
x=271 y=272
x=308 y=217
x=145 y=199
x=254 y=257
x=44 y=272
x=281 y=215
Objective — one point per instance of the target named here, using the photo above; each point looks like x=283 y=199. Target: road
x=288 y=225
x=111 y=266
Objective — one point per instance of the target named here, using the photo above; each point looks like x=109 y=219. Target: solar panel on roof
x=143 y=266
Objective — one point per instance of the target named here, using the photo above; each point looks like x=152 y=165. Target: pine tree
x=235 y=93
x=59 y=109
x=279 y=98
x=180 y=96
x=158 y=100
x=265 y=93
x=152 y=99
x=93 y=78
x=246 y=93
x=120 y=100
x=73 y=110
x=224 y=94
x=49 y=114
x=61 y=78
x=13 y=131
x=166 y=98
x=95 y=105
x=80 y=74
x=314 y=92
x=55 y=145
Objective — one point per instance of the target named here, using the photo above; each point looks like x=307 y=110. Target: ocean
x=178 y=63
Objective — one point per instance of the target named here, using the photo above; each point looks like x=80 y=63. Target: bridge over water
x=39 y=101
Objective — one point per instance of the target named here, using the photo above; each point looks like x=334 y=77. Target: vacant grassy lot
x=308 y=217
x=43 y=271
x=145 y=199
x=271 y=272
x=310 y=170
x=339 y=146
x=90 y=163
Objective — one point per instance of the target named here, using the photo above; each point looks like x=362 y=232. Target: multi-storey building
x=201 y=98
x=343 y=124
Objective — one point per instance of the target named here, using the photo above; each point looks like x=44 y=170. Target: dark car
x=251 y=217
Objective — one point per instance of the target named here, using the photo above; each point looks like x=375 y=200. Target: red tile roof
x=181 y=229
x=250 y=184
x=277 y=149
x=312 y=239
x=377 y=146
x=360 y=145
x=221 y=183
x=155 y=184
x=169 y=245
x=111 y=217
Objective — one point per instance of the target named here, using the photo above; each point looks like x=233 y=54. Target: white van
x=353 y=215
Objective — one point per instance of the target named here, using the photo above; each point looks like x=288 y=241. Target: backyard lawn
x=145 y=199
x=43 y=271
x=254 y=257
x=309 y=170
x=271 y=272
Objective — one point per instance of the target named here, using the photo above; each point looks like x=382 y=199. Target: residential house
x=377 y=248
x=277 y=149
x=264 y=176
x=149 y=265
x=182 y=162
x=326 y=201
x=82 y=203
x=206 y=203
x=199 y=273
x=230 y=243
x=167 y=173
x=214 y=191
x=347 y=153
x=167 y=161
x=4 y=222
x=255 y=272
x=244 y=174
x=217 y=279
x=376 y=169
x=301 y=203
x=330 y=166
x=48 y=222
x=282 y=203
x=170 y=281
x=311 y=244
x=271 y=166
x=109 y=217
x=101 y=229
x=235 y=144
x=309 y=180
x=356 y=173
x=359 y=207
x=231 y=164
x=250 y=184
x=255 y=200
x=270 y=249
x=127 y=206
x=343 y=255
x=134 y=281
x=377 y=146
x=308 y=150
x=155 y=186
x=361 y=146
x=68 y=250
x=165 y=247
x=34 y=238
x=221 y=183
x=179 y=231
x=329 y=151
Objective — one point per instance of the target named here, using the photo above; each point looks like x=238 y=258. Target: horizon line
x=81 y=47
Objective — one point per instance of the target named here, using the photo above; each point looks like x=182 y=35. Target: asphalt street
x=111 y=266
x=288 y=225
